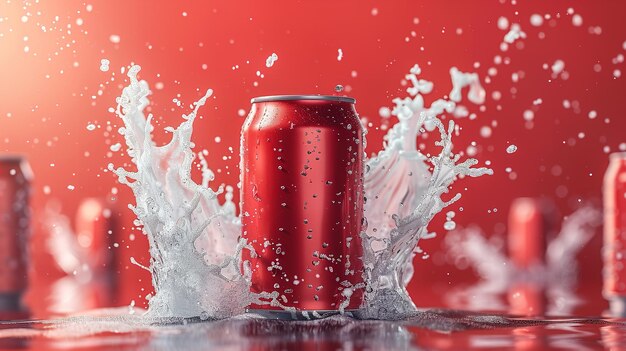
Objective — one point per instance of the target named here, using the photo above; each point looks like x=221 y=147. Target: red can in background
x=15 y=178
x=94 y=229
x=302 y=203
x=531 y=223
x=614 y=250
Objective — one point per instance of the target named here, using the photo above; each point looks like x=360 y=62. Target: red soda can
x=15 y=178
x=94 y=229
x=531 y=222
x=614 y=250
x=302 y=203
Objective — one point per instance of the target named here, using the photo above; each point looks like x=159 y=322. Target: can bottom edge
x=301 y=315
x=617 y=305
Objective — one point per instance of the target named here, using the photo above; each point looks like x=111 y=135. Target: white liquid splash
x=269 y=62
x=193 y=239
x=403 y=195
x=194 y=247
x=558 y=276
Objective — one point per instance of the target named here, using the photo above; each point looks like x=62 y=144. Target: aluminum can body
x=15 y=178
x=302 y=201
x=614 y=250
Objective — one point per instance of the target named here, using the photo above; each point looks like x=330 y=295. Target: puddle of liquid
x=115 y=329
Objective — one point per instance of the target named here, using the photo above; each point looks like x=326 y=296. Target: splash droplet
x=269 y=62
x=511 y=149
x=104 y=65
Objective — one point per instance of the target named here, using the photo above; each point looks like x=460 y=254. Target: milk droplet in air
x=339 y=88
x=115 y=39
x=104 y=65
x=485 y=131
x=558 y=66
x=577 y=20
x=514 y=33
x=511 y=149
x=503 y=23
x=449 y=225
x=529 y=115
x=339 y=54
x=384 y=112
x=91 y=126
x=270 y=60
x=536 y=20
x=115 y=147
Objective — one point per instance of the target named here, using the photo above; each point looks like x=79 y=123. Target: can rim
x=11 y=158
x=302 y=97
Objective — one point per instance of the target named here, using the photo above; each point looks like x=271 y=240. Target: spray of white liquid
x=403 y=195
x=194 y=247
x=193 y=239
x=558 y=276
x=68 y=294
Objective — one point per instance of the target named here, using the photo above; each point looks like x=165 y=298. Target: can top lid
x=11 y=158
x=302 y=97
x=618 y=155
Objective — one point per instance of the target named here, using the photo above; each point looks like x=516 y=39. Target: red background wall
x=49 y=95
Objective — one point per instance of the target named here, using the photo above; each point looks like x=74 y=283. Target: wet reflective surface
x=426 y=330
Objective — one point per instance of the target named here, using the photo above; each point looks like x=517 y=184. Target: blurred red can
x=614 y=251
x=15 y=177
x=94 y=229
x=531 y=223
x=302 y=203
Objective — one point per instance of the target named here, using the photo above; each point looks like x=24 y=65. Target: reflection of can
x=15 y=177
x=614 y=251
x=302 y=202
x=526 y=299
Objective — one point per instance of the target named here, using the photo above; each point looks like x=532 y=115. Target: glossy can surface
x=614 y=251
x=15 y=177
x=302 y=201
